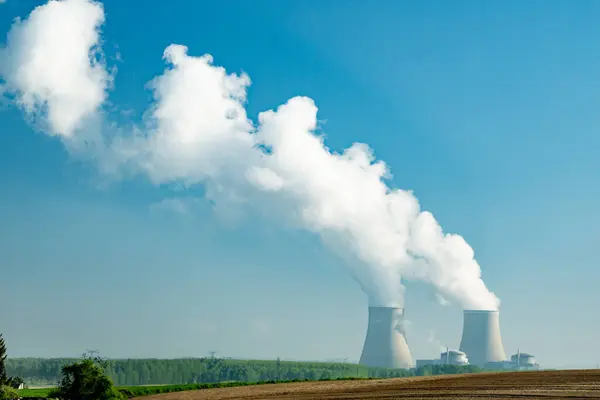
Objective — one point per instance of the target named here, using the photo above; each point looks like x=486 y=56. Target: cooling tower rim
x=385 y=308
x=481 y=311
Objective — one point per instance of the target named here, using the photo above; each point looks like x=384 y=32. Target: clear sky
x=488 y=111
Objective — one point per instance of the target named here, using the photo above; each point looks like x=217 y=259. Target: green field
x=34 y=392
x=137 y=391
x=144 y=377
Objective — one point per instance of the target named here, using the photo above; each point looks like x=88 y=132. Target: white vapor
x=197 y=126
x=197 y=132
x=441 y=300
x=436 y=342
x=53 y=65
x=179 y=205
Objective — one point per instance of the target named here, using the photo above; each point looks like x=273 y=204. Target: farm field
x=583 y=384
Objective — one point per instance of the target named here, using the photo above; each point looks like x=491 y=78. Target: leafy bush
x=8 y=393
x=85 y=380
x=14 y=382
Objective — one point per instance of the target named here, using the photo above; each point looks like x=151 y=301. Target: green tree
x=15 y=382
x=326 y=374
x=5 y=380
x=86 y=380
x=8 y=393
x=3 y=375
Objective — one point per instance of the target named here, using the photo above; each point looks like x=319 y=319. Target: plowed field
x=514 y=385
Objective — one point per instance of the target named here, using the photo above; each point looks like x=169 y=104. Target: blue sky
x=487 y=110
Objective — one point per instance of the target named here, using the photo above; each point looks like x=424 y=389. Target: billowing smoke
x=197 y=132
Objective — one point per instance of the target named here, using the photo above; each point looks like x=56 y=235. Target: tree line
x=127 y=372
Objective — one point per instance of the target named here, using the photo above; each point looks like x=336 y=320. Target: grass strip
x=139 y=391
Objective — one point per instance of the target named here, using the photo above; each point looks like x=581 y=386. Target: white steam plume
x=436 y=342
x=53 y=65
x=197 y=132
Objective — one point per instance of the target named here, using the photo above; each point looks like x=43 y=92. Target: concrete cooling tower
x=385 y=344
x=481 y=340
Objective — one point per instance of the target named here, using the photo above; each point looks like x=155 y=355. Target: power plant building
x=481 y=340
x=385 y=343
x=505 y=365
x=481 y=343
x=517 y=362
x=449 y=357
x=454 y=357
x=524 y=361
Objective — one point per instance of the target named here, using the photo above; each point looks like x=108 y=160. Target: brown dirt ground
x=509 y=385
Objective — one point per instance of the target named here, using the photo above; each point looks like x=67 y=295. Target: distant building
x=500 y=366
x=450 y=357
x=517 y=362
x=454 y=357
x=524 y=362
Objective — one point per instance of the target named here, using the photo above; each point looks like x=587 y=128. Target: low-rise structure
x=524 y=362
x=450 y=357
x=518 y=362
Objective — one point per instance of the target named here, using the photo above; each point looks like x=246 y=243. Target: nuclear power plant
x=385 y=343
x=481 y=343
x=449 y=357
x=481 y=340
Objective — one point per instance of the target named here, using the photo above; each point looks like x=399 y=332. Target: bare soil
x=508 y=385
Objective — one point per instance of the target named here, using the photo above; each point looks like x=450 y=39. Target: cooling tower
x=385 y=344
x=481 y=340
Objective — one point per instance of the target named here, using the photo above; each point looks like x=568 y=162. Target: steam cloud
x=436 y=342
x=197 y=132
x=53 y=63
